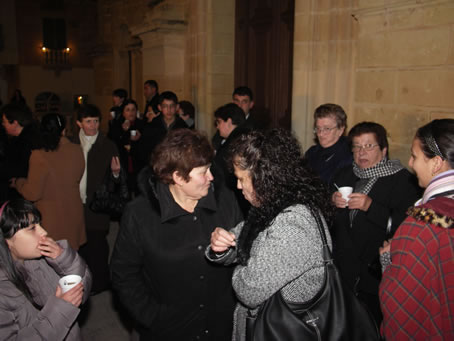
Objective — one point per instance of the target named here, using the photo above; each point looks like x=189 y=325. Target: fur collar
x=429 y=216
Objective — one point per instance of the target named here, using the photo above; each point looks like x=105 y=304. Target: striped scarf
x=440 y=185
x=369 y=176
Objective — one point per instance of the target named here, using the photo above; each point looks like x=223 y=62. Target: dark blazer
x=159 y=269
x=153 y=133
x=16 y=158
x=98 y=163
x=221 y=170
x=325 y=162
x=356 y=246
x=129 y=158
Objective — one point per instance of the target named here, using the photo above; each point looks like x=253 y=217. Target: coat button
x=200 y=247
x=207 y=331
x=202 y=306
x=194 y=218
x=202 y=277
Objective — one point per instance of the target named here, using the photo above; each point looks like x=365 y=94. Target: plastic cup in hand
x=345 y=191
x=68 y=282
x=133 y=132
x=112 y=113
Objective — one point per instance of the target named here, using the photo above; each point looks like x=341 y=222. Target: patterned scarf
x=440 y=185
x=369 y=176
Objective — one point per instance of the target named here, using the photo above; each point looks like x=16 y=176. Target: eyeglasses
x=356 y=148
x=323 y=130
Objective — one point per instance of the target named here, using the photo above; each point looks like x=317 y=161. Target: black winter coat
x=356 y=246
x=159 y=269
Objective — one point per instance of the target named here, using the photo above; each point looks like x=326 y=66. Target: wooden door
x=264 y=56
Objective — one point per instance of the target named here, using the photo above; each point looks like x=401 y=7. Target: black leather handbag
x=112 y=196
x=333 y=314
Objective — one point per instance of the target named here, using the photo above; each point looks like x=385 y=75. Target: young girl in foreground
x=32 y=305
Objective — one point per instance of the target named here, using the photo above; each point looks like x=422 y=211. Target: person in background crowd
x=150 y=91
x=230 y=120
x=101 y=157
x=32 y=304
x=152 y=110
x=332 y=150
x=118 y=97
x=417 y=289
x=167 y=120
x=53 y=180
x=23 y=137
x=244 y=98
x=382 y=191
x=18 y=98
x=158 y=266
x=186 y=111
x=127 y=133
x=278 y=247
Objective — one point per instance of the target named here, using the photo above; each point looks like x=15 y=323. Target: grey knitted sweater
x=286 y=256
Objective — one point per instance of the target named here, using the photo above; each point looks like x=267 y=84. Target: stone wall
x=186 y=46
x=388 y=61
x=404 y=74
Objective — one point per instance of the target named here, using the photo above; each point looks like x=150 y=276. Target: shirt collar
x=170 y=209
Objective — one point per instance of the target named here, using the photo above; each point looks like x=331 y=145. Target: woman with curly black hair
x=278 y=247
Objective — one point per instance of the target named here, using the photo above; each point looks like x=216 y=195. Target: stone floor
x=100 y=319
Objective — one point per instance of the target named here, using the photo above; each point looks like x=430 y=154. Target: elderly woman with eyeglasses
x=331 y=151
x=382 y=191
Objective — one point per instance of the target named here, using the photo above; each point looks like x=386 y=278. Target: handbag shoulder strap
x=327 y=257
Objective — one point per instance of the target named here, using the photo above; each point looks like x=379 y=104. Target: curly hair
x=280 y=179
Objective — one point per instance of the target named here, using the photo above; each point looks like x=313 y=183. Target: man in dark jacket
x=23 y=137
x=158 y=266
x=154 y=132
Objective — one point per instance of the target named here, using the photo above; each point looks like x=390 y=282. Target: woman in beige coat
x=53 y=182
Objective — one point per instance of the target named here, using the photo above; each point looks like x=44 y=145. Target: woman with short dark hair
x=416 y=292
x=382 y=191
x=53 y=180
x=278 y=247
x=158 y=266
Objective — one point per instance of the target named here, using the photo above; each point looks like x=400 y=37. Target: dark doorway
x=264 y=56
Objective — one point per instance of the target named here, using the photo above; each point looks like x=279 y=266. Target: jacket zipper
x=313 y=322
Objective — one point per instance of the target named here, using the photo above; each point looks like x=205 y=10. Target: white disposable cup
x=112 y=113
x=346 y=191
x=133 y=132
x=68 y=282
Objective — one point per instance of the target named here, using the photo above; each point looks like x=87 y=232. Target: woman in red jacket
x=417 y=289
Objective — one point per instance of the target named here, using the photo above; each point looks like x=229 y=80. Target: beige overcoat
x=53 y=185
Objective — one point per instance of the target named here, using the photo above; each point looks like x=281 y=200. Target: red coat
x=417 y=289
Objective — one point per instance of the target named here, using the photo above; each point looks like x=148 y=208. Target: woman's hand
x=222 y=240
x=49 y=247
x=385 y=248
x=115 y=166
x=73 y=296
x=136 y=136
x=338 y=201
x=359 y=201
x=150 y=116
x=126 y=124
